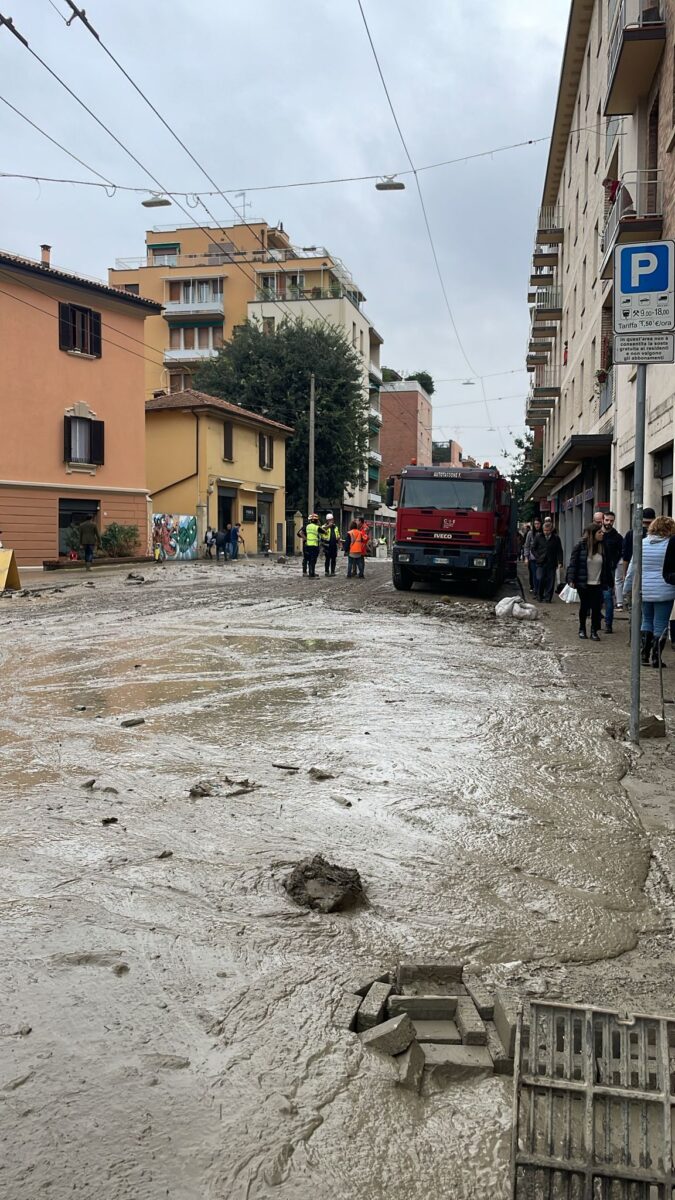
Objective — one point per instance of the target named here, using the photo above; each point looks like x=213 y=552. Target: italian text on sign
x=634 y=348
x=644 y=288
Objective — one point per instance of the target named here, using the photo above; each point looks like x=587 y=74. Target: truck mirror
x=389 y=495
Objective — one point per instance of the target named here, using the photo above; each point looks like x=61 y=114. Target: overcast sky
x=269 y=93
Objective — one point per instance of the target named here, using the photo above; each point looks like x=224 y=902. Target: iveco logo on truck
x=443 y=535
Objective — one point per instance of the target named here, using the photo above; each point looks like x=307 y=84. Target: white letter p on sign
x=642 y=264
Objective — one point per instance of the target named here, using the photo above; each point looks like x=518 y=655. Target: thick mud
x=179 y=1003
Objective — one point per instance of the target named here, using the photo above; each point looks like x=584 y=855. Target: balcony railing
x=218 y=257
x=374 y=498
x=179 y=308
x=631 y=14
x=313 y=294
x=375 y=415
x=550 y=223
x=374 y=456
x=546 y=379
x=639 y=196
x=176 y=356
x=548 y=299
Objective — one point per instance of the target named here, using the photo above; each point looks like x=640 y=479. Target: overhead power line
x=106 y=182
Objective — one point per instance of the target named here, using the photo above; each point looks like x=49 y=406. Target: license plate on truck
x=444 y=562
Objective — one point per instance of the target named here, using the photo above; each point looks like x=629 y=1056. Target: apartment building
x=406 y=425
x=609 y=180
x=209 y=280
x=72 y=444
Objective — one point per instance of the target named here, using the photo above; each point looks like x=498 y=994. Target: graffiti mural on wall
x=174 y=536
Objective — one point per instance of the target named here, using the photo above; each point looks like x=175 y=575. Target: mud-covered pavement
x=166 y=1020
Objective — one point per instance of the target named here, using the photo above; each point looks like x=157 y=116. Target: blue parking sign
x=645 y=268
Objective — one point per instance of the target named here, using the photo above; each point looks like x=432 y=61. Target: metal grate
x=594 y=1105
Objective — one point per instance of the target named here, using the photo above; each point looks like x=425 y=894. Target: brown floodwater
x=181 y=1041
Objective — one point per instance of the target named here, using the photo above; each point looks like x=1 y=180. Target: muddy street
x=167 y=1012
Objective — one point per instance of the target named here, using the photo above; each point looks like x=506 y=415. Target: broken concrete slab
x=131 y=722
x=503 y=1064
x=445 y=1033
x=424 y=1008
x=346 y=1012
x=459 y=1061
x=441 y=972
x=506 y=1018
x=411 y=1067
x=390 y=1037
x=316 y=883
x=373 y=1006
x=481 y=995
x=469 y=1023
x=653 y=727
x=364 y=984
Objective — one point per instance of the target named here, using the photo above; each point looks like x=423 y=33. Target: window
x=268 y=284
x=361 y=341
x=588 y=74
x=179 y=381
x=353 y=333
x=583 y=285
x=268 y=325
x=581 y=389
x=189 y=337
x=598 y=137
x=600 y=4
x=83 y=441
x=473 y=495
x=586 y=183
x=228 y=440
x=596 y=244
x=578 y=122
x=195 y=337
x=79 y=330
x=576 y=217
x=132 y=288
x=593 y=354
x=266 y=451
x=296 y=281
x=164 y=256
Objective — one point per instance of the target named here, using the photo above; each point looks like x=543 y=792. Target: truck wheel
x=487 y=588
x=402 y=579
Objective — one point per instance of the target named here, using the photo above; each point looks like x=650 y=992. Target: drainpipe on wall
x=202 y=505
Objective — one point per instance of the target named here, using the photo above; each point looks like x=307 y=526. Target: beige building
x=211 y=279
x=608 y=181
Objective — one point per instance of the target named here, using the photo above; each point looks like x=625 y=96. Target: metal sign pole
x=636 y=611
x=310 y=482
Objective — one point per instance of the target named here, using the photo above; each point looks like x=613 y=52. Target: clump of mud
x=316 y=883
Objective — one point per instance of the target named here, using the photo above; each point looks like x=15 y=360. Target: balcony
x=635 y=216
x=550 y=225
x=548 y=304
x=537 y=345
x=313 y=294
x=546 y=383
x=375 y=375
x=542 y=330
x=635 y=47
x=374 y=456
x=374 y=416
x=375 y=499
x=545 y=256
x=186 y=308
x=535 y=360
x=542 y=277
x=184 y=356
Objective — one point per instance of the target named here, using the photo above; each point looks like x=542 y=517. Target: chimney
x=45 y=255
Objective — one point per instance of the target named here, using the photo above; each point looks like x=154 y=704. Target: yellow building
x=211 y=279
x=220 y=462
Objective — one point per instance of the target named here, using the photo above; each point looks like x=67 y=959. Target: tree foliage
x=389 y=375
x=526 y=469
x=269 y=373
x=424 y=378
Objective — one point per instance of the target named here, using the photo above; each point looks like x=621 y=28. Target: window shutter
x=95 y=341
x=97 y=443
x=227 y=440
x=271 y=446
x=67 y=437
x=65 y=327
x=261 y=449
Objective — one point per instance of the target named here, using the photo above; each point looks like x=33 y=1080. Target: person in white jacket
x=657 y=595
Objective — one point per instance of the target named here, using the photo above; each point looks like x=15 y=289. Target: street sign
x=634 y=348
x=644 y=288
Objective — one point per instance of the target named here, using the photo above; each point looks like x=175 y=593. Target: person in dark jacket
x=529 y=557
x=547 y=552
x=90 y=539
x=612 y=547
x=648 y=515
x=590 y=574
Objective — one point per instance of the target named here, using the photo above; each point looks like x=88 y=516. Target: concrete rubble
x=450 y=1032
x=316 y=883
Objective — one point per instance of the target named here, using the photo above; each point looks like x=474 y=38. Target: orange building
x=73 y=407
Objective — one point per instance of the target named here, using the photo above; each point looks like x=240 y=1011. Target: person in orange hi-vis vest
x=358 y=548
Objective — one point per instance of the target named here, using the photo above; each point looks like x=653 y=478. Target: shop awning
x=574 y=452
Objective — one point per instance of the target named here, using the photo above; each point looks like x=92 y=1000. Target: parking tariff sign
x=644 y=287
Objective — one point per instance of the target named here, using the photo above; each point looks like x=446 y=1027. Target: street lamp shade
x=156 y=200
x=390 y=184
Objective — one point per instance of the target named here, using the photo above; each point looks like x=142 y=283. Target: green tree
x=389 y=375
x=268 y=373
x=526 y=469
x=424 y=378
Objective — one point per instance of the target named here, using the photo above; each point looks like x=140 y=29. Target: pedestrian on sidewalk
x=529 y=556
x=236 y=540
x=612 y=546
x=90 y=540
x=648 y=515
x=589 y=573
x=222 y=541
x=548 y=556
x=312 y=544
x=356 y=560
x=209 y=539
x=657 y=595
x=330 y=542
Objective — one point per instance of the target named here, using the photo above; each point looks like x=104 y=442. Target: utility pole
x=638 y=504
x=310 y=484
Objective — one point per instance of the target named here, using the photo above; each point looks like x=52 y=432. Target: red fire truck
x=455 y=524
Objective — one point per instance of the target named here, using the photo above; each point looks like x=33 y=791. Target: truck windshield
x=476 y=494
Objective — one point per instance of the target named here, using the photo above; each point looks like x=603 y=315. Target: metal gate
x=594 y=1105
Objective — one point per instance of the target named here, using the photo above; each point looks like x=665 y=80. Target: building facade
x=73 y=412
x=609 y=180
x=219 y=463
x=406 y=425
x=209 y=280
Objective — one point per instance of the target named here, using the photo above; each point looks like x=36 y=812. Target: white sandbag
x=525 y=612
x=504 y=608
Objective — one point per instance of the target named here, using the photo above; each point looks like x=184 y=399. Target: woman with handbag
x=590 y=573
x=527 y=551
x=658 y=593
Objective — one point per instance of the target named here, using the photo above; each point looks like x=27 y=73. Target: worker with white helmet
x=330 y=542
